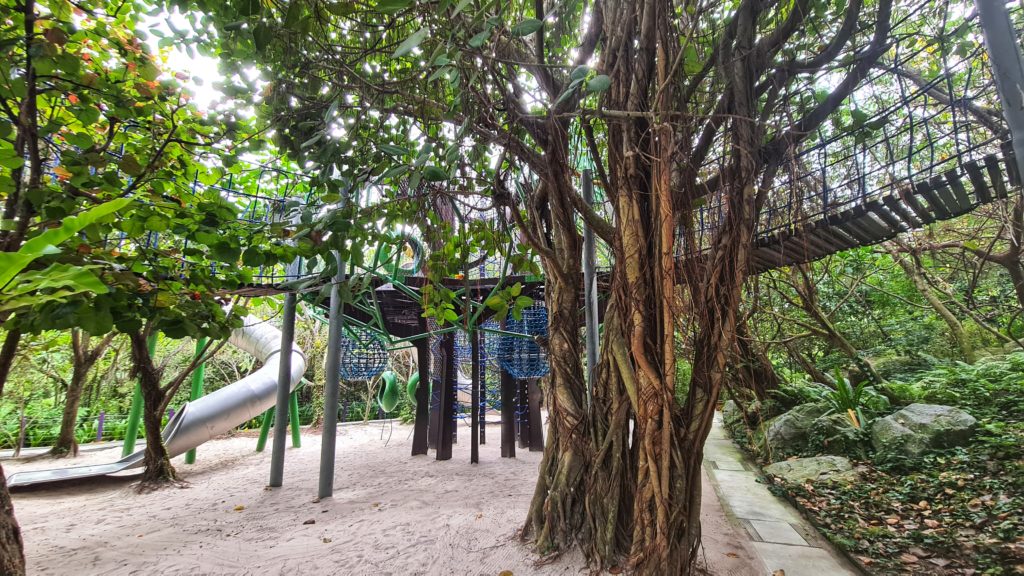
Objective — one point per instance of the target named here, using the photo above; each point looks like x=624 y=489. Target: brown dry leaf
x=918 y=552
x=615 y=570
x=908 y=558
x=865 y=560
x=779 y=572
x=940 y=562
x=923 y=504
x=732 y=555
x=974 y=505
x=239 y=507
x=325 y=540
x=892 y=521
x=931 y=523
x=505 y=573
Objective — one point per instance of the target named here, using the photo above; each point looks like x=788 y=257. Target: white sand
x=391 y=514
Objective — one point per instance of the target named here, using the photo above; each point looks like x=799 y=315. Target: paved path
x=782 y=538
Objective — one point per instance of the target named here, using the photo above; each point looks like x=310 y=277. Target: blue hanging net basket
x=492 y=343
x=363 y=355
x=521 y=356
x=464 y=353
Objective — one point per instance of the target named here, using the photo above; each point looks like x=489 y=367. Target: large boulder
x=790 y=433
x=814 y=469
x=836 y=434
x=921 y=427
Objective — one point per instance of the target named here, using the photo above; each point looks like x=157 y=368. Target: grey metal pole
x=590 y=286
x=332 y=382
x=283 y=389
x=1007 y=67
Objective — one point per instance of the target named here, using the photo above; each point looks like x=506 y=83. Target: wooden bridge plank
x=876 y=228
x=995 y=176
x=772 y=256
x=820 y=247
x=885 y=215
x=981 y=189
x=797 y=245
x=938 y=183
x=909 y=197
x=844 y=222
x=956 y=184
x=924 y=189
x=897 y=207
x=838 y=239
x=1010 y=159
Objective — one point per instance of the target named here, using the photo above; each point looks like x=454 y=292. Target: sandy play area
x=391 y=514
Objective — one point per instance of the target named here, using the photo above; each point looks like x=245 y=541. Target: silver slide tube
x=210 y=416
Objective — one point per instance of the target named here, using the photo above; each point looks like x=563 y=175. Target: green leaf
x=294 y=14
x=691 y=60
x=527 y=27
x=599 y=83
x=80 y=139
x=480 y=39
x=389 y=6
x=11 y=263
x=392 y=150
x=579 y=73
x=225 y=252
x=460 y=7
x=435 y=174
x=450 y=315
x=394 y=172
x=248 y=7
x=262 y=36
x=148 y=71
x=495 y=302
x=411 y=42
x=515 y=289
x=337 y=8
x=130 y=165
x=569 y=92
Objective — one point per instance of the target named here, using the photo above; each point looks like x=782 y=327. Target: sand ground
x=391 y=514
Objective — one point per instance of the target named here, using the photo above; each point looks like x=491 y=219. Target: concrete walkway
x=779 y=534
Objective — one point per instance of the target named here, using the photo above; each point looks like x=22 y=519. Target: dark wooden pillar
x=508 y=415
x=474 y=398
x=449 y=383
x=522 y=413
x=481 y=405
x=421 y=430
x=435 y=403
x=534 y=397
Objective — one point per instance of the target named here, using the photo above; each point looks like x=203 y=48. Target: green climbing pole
x=131 y=433
x=197 y=389
x=268 y=420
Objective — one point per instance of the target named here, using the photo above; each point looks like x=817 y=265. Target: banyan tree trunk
x=158 y=463
x=753 y=371
x=557 y=511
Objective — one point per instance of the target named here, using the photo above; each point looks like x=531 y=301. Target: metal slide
x=210 y=416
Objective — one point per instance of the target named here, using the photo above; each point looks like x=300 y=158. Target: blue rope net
x=363 y=355
x=522 y=357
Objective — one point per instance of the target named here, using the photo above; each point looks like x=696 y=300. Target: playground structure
x=926 y=154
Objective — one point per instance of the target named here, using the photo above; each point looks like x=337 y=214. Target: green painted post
x=268 y=418
x=131 y=433
x=293 y=410
x=197 y=390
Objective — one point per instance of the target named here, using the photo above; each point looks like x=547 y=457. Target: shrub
x=991 y=389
